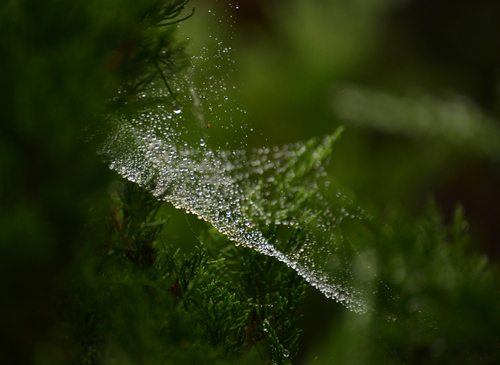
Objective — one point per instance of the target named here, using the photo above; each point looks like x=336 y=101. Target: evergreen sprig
x=229 y=298
x=153 y=53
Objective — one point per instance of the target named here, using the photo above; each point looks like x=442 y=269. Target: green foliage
x=145 y=303
x=436 y=301
x=140 y=300
x=272 y=293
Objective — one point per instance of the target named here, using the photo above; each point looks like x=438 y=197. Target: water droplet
x=265 y=325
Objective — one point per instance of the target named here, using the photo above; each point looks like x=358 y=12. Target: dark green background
x=59 y=64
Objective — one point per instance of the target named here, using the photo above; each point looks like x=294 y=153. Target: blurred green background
x=415 y=82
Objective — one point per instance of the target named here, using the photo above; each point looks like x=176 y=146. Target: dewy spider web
x=239 y=191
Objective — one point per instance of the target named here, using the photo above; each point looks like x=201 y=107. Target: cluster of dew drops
x=235 y=191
